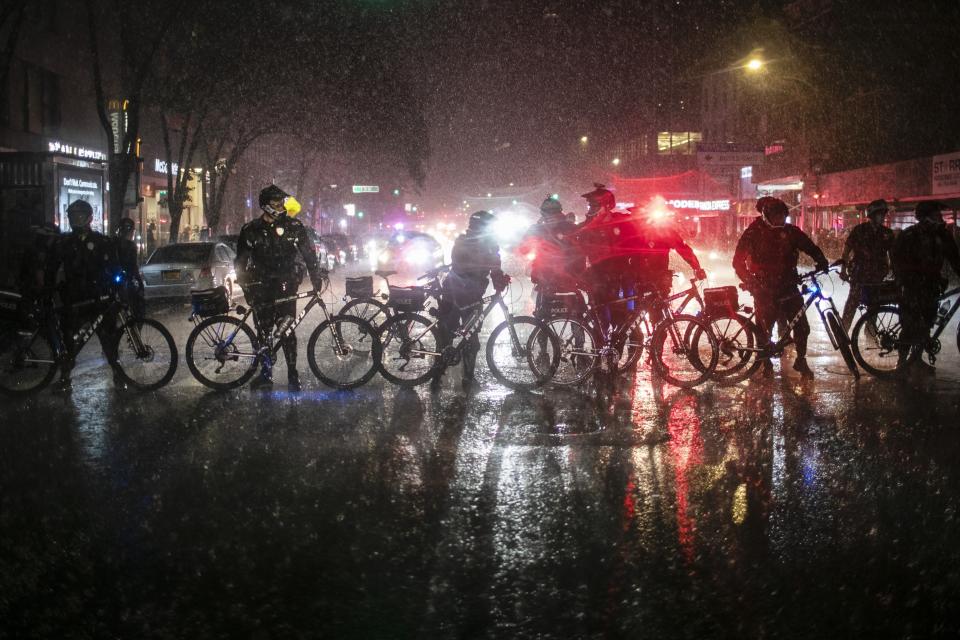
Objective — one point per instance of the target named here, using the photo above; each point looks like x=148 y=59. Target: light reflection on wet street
x=770 y=509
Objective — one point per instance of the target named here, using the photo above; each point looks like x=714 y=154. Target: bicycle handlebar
x=433 y=273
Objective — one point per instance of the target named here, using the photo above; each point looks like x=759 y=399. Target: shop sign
x=701 y=205
x=55 y=146
x=366 y=188
x=946 y=173
x=160 y=166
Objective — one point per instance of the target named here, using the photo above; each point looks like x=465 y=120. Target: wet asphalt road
x=771 y=509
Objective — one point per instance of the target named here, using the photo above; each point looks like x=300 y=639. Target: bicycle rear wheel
x=344 y=352
x=146 y=354
x=411 y=350
x=876 y=342
x=367 y=309
x=737 y=342
x=222 y=352
x=28 y=362
x=680 y=359
x=523 y=353
x=579 y=350
x=842 y=341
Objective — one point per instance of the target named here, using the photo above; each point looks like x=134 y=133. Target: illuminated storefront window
x=678 y=142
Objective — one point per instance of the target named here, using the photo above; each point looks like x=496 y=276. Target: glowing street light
x=584 y=139
x=754 y=64
x=616 y=162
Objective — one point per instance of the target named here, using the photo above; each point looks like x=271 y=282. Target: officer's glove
x=700 y=274
x=319 y=279
x=500 y=281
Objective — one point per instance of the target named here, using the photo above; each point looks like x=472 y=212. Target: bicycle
x=757 y=355
x=877 y=345
x=372 y=306
x=588 y=346
x=223 y=352
x=31 y=352
x=411 y=344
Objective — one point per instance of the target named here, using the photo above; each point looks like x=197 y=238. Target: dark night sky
x=537 y=75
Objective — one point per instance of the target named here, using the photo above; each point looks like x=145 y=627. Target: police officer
x=90 y=263
x=649 y=245
x=918 y=255
x=269 y=252
x=866 y=256
x=130 y=265
x=556 y=263
x=474 y=261
x=765 y=260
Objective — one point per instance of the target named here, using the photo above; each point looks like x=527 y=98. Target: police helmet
x=480 y=219
x=877 y=208
x=272 y=193
x=928 y=209
x=80 y=213
x=600 y=196
x=768 y=205
x=551 y=207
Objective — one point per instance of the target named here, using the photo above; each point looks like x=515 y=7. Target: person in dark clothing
x=917 y=257
x=127 y=254
x=474 y=261
x=90 y=263
x=270 y=252
x=866 y=256
x=765 y=260
x=649 y=246
x=556 y=263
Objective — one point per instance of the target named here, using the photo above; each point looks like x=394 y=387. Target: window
x=678 y=142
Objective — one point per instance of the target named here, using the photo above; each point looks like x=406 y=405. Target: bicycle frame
x=944 y=320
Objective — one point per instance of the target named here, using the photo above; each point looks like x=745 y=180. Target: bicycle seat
x=384 y=274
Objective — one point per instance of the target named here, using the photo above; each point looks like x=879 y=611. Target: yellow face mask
x=292 y=206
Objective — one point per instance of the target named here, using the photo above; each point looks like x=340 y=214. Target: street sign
x=366 y=188
x=946 y=174
x=730 y=158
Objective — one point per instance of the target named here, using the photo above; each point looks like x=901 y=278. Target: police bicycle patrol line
x=223 y=352
x=413 y=355
x=374 y=306
x=32 y=352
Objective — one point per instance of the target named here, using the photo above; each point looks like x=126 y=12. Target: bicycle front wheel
x=28 y=362
x=146 y=354
x=222 y=352
x=738 y=340
x=344 y=352
x=876 y=342
x=579 y=351
x=411 y=350
x=684 y=351
x=523 y=353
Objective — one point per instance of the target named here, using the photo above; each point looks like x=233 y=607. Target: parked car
x=410 y=252
x=172 y=271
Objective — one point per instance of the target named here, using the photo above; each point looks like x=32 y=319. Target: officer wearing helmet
x=917 y=257
x=90 y=263
x=555 y=262
x=648 y=248
x=765 y=260
x=270 y=251
x=866 y=256
x=127 y=255
x=474 y=262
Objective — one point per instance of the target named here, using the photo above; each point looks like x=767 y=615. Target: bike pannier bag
x=880 y=293
x=564 y=304
x=407 y=298
x=361 y=287
x=720 y=301
x=210 y=302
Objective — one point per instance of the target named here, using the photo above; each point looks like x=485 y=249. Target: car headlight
x=384 y=257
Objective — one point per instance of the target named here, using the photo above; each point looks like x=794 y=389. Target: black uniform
x=868 y=246
x=558 y=264
x=90 y=263
x=918 y=255
x=273 y=255
x=766 y=261
x=133 y=279
x=474 y=259
x=649 y=249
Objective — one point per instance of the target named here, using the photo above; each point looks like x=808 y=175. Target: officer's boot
x=470 y=351
x=265 y=379
x=800 y=364
x=290 y=355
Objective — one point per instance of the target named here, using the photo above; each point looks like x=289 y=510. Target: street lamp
x=584 y=139
x=616 y=162
x=755 y=64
